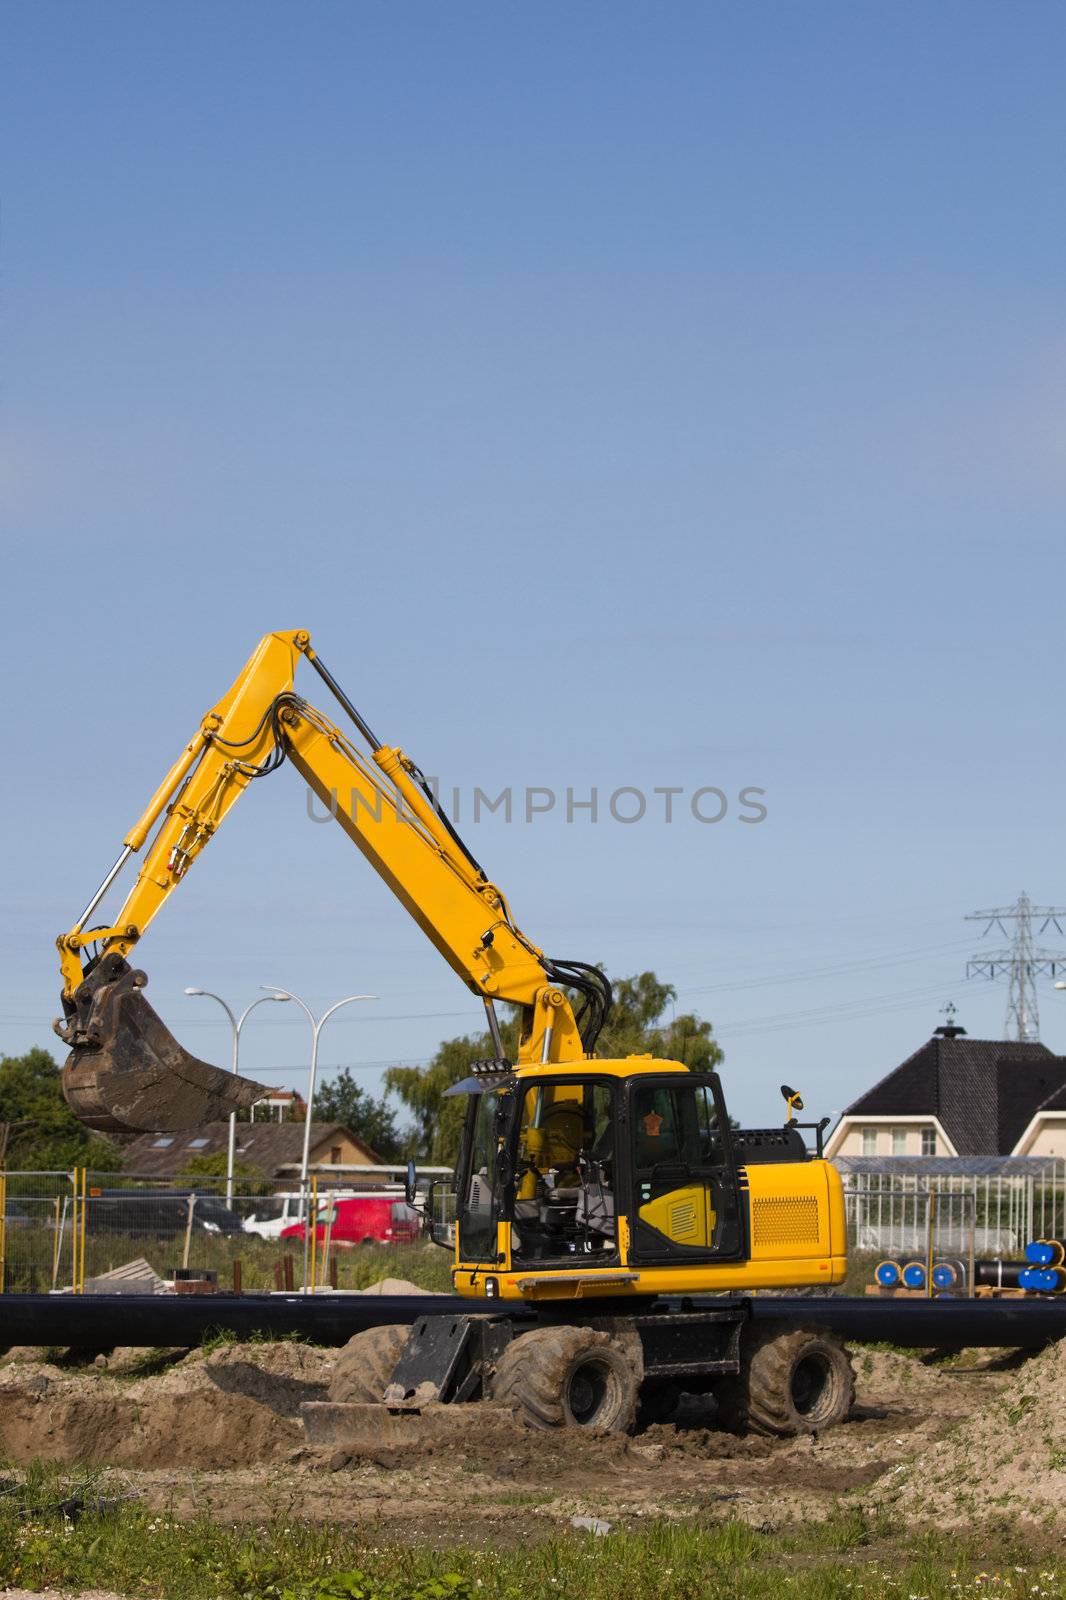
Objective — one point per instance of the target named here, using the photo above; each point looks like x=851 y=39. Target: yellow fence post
x=931 y=1224
x=3 y=1231
x=74 y=1230
x=84 y=1211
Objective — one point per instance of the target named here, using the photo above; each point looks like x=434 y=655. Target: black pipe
x=103 y=1321
x=934 y=1324
x=998 y=1274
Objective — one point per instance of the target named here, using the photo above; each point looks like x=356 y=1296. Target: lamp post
x=317 y=1024
x=236 y=1024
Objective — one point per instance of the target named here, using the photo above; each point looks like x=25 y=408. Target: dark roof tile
x=984 y=1091
x=266 y=1146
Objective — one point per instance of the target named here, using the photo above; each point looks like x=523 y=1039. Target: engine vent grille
x=784 y=1219
x=683 y=1220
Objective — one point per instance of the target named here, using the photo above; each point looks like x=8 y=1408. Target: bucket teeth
x=126 y=1072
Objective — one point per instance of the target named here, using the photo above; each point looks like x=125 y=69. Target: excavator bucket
x=126 y=1072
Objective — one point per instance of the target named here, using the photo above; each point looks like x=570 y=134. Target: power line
x=837 y=969
x=840 y=1011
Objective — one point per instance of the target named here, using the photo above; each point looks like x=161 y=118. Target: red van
x=364 y=1219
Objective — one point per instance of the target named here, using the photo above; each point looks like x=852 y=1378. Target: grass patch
x=119 y=1545
x=29 y=1259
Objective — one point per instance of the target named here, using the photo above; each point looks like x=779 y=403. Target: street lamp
x=316 y=1028
x=236 y=1023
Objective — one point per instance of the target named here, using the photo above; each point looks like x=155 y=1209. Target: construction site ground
x=217 y=1430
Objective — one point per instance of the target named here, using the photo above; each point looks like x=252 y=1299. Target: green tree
x=370 y=1119
x=635 y=1027
x=246 y=1180
x=438 y=1122
x=45 y=1133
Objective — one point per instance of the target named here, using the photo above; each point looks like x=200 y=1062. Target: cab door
x=685 y=1203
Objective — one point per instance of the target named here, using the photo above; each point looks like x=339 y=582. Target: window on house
x=335 y=1154
x=869 y=1141
x=162 y=1144
x=197 y=1144
x=928 y=1141
x=899 y=1141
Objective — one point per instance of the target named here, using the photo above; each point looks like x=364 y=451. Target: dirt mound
x=891 y=1377
x=238 y=1403
x=395 y=1286
x=1006 y=1457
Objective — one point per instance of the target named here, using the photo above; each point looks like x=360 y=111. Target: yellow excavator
x=593 y=1194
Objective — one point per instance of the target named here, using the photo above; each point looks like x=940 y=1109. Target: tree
x=438 y=1122
x=635 y=1027
x=246 y=1180
x=45 y=1133
x=373 y=1121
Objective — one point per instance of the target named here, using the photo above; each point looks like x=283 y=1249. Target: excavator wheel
x=791 y=1380
x=366 y=1364
x=568 y=1378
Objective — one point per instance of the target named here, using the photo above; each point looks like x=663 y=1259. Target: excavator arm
x=125 y=1070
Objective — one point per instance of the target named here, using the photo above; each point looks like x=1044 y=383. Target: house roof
x=984 y=1092
x=1055 y=1101
x=266 y=1146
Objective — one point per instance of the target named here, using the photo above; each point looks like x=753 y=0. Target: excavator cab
x=608 y=1178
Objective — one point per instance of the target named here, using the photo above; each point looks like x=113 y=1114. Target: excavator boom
x=125 y=1070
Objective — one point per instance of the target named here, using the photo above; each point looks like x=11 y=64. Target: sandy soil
x=220 y=1432
x=1007 y=1457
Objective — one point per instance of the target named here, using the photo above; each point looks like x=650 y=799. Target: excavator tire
x=568 y=1378
x=792 y=1380
x=366 y=1364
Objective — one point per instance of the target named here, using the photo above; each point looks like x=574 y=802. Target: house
x=957 y=1096
x=281 y=1104
x=265 y=1147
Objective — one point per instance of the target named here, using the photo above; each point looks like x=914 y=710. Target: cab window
x=565 y=1172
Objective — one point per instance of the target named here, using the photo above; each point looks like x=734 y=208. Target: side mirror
x=410 y=1187
x=440 y=1229
x=792 y=1099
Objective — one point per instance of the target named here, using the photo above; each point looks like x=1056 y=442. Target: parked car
x=158 y=1213
x=273 y=1214
x=364 y=1219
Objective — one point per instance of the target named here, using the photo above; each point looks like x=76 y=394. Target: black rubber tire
x=792 y=1380
x=568 y=1378
x=366 y=1363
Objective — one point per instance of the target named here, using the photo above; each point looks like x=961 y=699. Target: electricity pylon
x=1023 y=963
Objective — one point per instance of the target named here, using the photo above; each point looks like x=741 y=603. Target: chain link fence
x=62 y=1231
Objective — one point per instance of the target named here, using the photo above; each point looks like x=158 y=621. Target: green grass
x=29 y=1260
x=133 y=1551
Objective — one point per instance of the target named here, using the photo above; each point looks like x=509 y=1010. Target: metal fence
x=997 y=1205
x=62 y=1231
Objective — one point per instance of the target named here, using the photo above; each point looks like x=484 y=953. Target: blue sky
x=621 y=395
